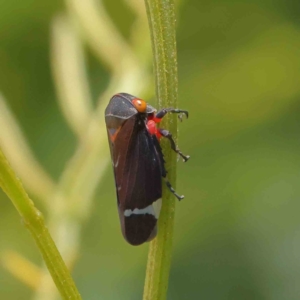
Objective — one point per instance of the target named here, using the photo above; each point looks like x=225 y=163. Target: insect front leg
x=165 y=133
x=160 y=114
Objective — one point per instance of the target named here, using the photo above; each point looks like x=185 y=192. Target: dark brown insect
x=138 y=163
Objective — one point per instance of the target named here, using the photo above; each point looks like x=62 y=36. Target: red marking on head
x=151 y=126
x=152 y=129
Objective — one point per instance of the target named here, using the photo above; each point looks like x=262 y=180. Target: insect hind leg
x=179 y=197
x=163 y=169
x=168 y=135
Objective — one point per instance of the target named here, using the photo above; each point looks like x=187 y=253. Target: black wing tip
x=138 y=229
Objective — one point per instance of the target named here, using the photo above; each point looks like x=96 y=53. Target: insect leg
x=172 y=190
x=163 y=169
x=160 y=114
x=168 y=135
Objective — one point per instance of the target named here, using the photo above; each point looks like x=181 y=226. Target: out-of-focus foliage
x=236 y=233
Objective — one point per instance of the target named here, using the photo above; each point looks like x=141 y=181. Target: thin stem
x=34 y=221
x=161 y=17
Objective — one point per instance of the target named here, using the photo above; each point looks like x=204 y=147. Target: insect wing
x=138 y=181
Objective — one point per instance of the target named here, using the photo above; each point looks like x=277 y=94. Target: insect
x=138 y=163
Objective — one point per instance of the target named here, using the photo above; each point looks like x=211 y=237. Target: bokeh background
x=237 y=233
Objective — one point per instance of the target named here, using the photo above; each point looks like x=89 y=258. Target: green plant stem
x=34 y=221
x=161 y=18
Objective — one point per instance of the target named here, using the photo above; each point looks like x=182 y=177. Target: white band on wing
x=152 y=209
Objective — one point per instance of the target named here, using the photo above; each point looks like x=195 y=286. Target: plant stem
x=161 y=18
x=34 y=221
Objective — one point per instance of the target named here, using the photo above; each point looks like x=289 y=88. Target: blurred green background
x=237 y=233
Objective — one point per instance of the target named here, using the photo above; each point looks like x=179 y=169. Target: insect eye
x=140 y=105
